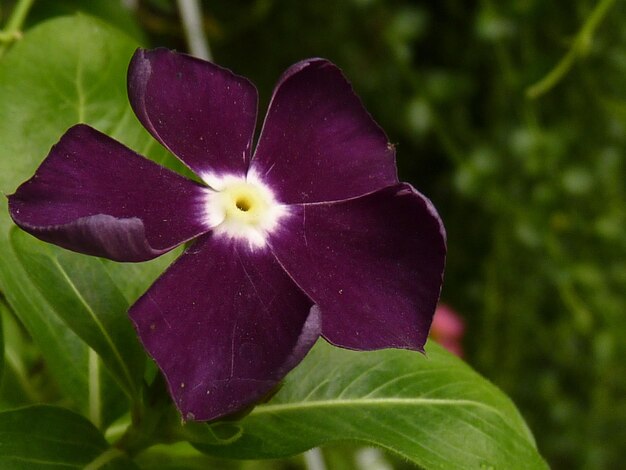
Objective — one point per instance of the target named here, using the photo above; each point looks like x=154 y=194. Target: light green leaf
x=66 y=356
x=113 y=12
x=81 y=292
x=133 y=279
x=79 y=374
x=40 y=98
x=16 y=388
x=48 y=437
x=2 y=308
x=65 y=71
x=433 y=410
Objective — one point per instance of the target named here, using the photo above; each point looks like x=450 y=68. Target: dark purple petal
x=225 y=325
x=318 y=142
x=373 y=265
x=96 y=196
x=203 y=113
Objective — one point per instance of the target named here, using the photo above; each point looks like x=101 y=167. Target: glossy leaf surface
x=433 y=410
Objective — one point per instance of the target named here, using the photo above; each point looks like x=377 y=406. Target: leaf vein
x=98 y=323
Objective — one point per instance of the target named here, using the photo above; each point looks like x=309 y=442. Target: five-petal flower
x=311 y=234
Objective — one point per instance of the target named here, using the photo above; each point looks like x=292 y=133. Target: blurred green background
x=530 y=180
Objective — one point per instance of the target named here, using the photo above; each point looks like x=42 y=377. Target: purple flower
x=311 y=234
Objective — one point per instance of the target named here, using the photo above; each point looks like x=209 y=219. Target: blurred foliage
x=532 y=190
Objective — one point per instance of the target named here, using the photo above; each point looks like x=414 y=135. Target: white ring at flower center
x=242 y=209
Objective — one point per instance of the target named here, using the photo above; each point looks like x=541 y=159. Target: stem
x=579 y=47
x=94 y=389
x=104 y=458
x=191 y=16
x=151 y=420
x=12 y=31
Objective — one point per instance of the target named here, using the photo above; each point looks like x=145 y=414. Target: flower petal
x=373 y=265
x=318 y=142
x=224 y=324
x=96 y=196
x=201 y=112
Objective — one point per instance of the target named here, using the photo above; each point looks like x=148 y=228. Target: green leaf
x=85 y=63
x=76 y=369
x=114 y=13
x=41 y=98
x=219 y=433
x=48 y=437
x=182 y=456
x=65 y=71
x=133 y=279
x=2 y=308
x=81 y=292
x=433 y=410
x=16 y=388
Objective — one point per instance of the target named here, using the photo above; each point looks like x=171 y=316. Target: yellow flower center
x=244 y=202
x=243 y=209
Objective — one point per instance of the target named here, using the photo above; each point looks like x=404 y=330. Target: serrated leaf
x=81 y=292
x=48 y=437
x=433 y=410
